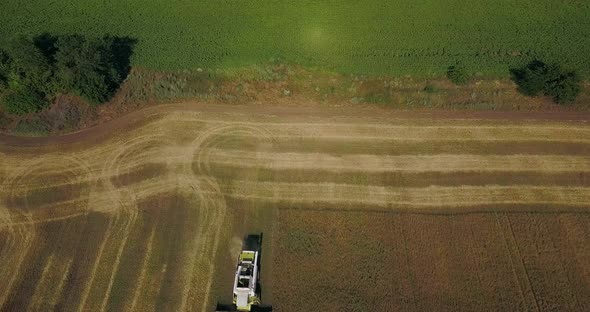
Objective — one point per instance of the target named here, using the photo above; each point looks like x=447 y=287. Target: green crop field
x=400 y=37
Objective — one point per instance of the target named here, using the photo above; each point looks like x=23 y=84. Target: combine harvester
x=246 y=291
x=245 y=295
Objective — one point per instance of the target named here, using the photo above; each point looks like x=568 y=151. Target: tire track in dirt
x=518 y=267
x=70 y=171
x=406 y=163
x=58 y=289
x=47 y=292
x=144 y=267
x=38 y=294
x=19 y=221
x=123 y=219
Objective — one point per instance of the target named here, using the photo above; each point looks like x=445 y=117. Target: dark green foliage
x=4 y=69
x=23 y=102
x=29 y=68
x=46 y=44
x=121 y=51
x=457 y=74
x=37 y=69
x=26 y=74
x=85 y=67
x=430 y=88
x=564 y=87
x=93 y=69
x=531 y=78
x=538 y=78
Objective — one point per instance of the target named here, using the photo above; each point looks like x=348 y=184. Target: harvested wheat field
x=361 y=210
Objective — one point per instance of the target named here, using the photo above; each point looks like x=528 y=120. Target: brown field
x=383 y=261
x=361 y=211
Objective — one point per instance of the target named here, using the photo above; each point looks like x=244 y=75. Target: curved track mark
x=19 y=223
x=130 y=152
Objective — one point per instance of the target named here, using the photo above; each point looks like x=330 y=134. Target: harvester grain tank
x=246 y=280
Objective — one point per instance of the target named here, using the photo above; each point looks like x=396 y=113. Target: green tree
x=26 y=74
x=29 y=68
x=564 y=88
x=457 y=74
x=32 y=71
x=86 y=67
x=24 y=101
x=539 y=78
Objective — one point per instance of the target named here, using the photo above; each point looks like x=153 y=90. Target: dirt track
x=147 y=198
x=295 y=112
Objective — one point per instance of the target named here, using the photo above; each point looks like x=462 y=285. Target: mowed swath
x=134 y=222
x=405 y=163
x=434 y=196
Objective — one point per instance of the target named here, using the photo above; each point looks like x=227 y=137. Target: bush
x=538 y=78
x=28 y=66
x=565 y=89
x=24 y=102
x=457 y=74
x=430 y=88
x=88 y=68
x=33 y=127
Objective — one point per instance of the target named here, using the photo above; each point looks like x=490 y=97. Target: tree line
x=35 y=70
